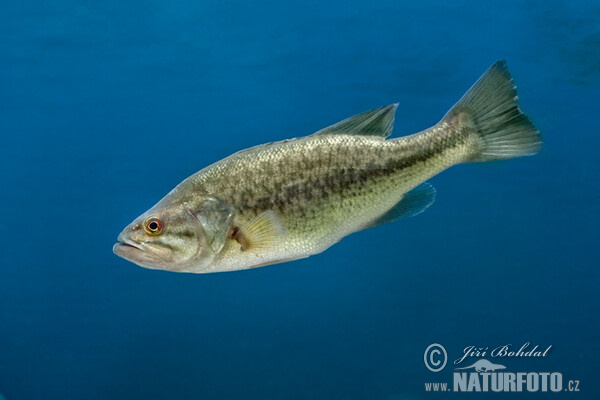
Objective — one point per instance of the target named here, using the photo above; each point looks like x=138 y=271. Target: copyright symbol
x=433 y=354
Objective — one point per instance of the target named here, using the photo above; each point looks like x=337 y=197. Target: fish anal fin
x=378 y=122
x=413 y=203
x=262 y=232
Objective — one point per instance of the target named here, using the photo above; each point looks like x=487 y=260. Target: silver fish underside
x=349 y=177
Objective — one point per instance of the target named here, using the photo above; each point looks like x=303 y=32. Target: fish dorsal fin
x=378 y=122
x=262 y=232
x=413 y=203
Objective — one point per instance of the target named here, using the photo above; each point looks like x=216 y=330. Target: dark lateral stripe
x=165 y=245
x=320 y=188
x=186 y=234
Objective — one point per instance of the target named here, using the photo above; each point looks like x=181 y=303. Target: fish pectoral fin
x=262 y=232
x=413 y=203
x=378 y=122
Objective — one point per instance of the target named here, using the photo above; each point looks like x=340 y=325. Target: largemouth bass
x=291 y=199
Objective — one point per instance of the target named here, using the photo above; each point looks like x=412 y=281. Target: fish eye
x=153 y=226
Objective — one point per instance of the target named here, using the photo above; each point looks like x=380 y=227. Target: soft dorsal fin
x=378 y=122
x=413 y=203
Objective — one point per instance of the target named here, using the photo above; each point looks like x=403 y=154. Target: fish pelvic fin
x=489 y=115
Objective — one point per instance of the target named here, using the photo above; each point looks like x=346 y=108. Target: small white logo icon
x=484 y=365
x=435 y=357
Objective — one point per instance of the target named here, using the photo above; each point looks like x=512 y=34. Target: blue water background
x=105 y=106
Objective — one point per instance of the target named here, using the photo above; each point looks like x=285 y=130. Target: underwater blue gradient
x=105 y=106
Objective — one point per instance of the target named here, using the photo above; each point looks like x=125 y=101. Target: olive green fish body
x=321 y=187
x=287 y=200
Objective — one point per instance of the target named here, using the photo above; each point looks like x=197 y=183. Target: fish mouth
x=133 y=252
x=128 y=243
x=125 y=248
x=124 y=241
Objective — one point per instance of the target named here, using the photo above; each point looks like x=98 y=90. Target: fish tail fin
x=489 y=115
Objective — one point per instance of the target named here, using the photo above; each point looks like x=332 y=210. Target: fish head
x=178 y=237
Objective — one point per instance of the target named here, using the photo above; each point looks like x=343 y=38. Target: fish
x=291 y=199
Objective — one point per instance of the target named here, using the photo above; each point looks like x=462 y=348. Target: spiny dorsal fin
x=261 y=232
x=413 y=203
x=378 y=122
